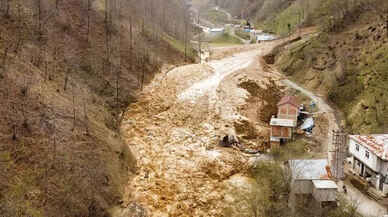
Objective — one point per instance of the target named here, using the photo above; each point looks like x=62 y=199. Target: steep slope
x=346 y=61
x=348 y=66
x=68 y=68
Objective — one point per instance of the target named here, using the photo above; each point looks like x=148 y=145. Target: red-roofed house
x=283 y=125
x=370 y=159
x=288 y=108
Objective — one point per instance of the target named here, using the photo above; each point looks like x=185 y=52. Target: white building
x=370 y=159
x=313 y=177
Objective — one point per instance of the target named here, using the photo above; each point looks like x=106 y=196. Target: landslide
x=61 y=153
x=348 y=66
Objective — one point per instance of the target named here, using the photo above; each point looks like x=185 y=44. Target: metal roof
x=324 y=184
x=288 y=100
x=374 y=143
x=217 y=30
x=308 y=123
x=310 y=169
x=283 y=122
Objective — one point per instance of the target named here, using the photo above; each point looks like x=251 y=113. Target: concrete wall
x=302 y=186
x=324 y=195
x=383 y=167
x=281 y=132
x=372 y=162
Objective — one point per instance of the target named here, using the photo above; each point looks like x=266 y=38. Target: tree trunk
x=74 y=111
x=66 y=79
x=7 y=8
x=88 y=30
x=4 y=62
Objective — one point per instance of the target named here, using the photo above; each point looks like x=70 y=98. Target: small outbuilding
x=313 y=177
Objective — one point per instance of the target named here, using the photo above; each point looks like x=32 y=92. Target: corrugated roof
x=374 y=143
x=288 y=100
x=324 y=184
x=308 y=123
x=283 y=122
x=309 y=169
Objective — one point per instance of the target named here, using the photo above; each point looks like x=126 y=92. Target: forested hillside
x=67 y=70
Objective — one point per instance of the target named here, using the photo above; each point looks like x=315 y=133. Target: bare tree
x=86 y=118
x=88 y=20
x=74 y=106
x=4 y=62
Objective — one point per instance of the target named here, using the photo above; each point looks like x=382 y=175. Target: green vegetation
x=180 y=46
x=244 y=35
x=352 y=76
x=291 y=150
x=286 y=22
x=274 y=182
x=225 y=39
x=216 y=17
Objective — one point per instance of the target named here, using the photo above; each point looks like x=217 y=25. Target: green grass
x=279 y=24
x=179 y=46
x=225 y=39
x=216 y=17
x=291 y=150
x=242 y=34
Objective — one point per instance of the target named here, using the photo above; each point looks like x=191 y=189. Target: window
x=367 y=154
x=357 y=147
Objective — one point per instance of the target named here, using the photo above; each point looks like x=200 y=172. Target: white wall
x=372 y=162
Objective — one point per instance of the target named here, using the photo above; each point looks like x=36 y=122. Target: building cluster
x=366 y=156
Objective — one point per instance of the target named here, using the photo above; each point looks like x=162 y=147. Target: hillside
x=68 y=70
x=346 y=62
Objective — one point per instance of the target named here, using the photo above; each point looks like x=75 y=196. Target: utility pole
x=337 y=153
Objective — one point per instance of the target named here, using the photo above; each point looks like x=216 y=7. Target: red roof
x=288 y=100
x=374 y=143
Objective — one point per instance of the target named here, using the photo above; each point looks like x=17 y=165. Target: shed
x=324 y=190
x=313 y=177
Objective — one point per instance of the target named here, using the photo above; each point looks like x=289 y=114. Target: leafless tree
x=74 y=106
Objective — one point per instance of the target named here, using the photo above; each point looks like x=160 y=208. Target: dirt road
x=324 y=108
x=221 y=69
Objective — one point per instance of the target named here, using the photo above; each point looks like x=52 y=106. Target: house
x=282 y=126
x=288 y=108
x=369 y=159
x=313 y=177
x=282 y=129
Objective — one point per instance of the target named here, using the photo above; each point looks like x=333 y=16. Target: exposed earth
x=175 y=128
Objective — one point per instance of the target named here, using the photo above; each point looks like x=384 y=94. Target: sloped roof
x=283 y=122
x=288 y=100
x=317 y=169
x=374 y=143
